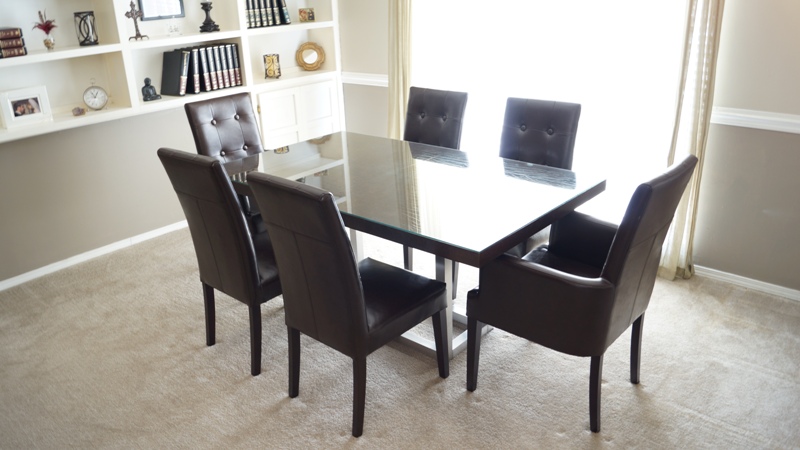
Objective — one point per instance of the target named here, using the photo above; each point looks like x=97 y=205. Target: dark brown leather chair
x=434 y=117
x=229 y=257
x=580 y=293
x=354 y=308
x=539 y=132
x=226 y=128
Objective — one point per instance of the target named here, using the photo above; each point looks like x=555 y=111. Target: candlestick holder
x=208 y=24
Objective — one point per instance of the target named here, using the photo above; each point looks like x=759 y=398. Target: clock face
x=95 y=97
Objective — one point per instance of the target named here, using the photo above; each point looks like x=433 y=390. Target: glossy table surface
x=463 y=207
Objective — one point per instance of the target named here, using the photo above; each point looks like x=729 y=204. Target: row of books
x=11 y=43
x=200 y=69
x=267 y=13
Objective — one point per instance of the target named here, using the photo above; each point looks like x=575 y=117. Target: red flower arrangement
x=44 y=24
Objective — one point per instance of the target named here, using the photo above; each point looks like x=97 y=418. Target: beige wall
x=749 y=207
x=70 y=192
x=363 y=33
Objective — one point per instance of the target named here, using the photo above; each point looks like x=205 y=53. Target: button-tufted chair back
x=435 y=117
x=540 y=131
x=226 y=128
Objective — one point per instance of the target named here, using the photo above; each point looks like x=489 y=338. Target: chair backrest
x=226 y=128
x=322 y=292
x=435 y=117
x=635 y=254
x=225 y=254
x=540 y=131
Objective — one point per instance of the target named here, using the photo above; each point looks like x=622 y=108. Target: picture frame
x=25 y=106
x=306 y=14
x=161 y=9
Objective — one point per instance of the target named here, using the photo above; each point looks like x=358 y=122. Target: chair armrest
x=583 y=238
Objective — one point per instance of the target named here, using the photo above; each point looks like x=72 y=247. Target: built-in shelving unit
x=120 y=64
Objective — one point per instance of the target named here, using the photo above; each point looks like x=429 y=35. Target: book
x=236 y=69
x=266 y=11
x=175 y=72
x=194 y=71
x=12 y=42
x=11 y=52
x=228 y=49
x=10 y=32
x=205 y=79
x=258 y=17
x=284 y=12
x=212 y=68
x=249 y=17
x=273 y=6
x=222 y=63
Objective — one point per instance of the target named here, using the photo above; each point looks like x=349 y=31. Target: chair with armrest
x=230 y=258
x=578 y=294
x=434 y=117
x=226 y=128
x=539 y=132
x=354 y=308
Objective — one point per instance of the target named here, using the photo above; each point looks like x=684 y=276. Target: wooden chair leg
x=359 y=394
x=439 y=325
x=636 y=348
x=474 y=331
x=408 y=258
x=595 y=379
x=455 y=279
x=294 y=362
x=208 y=301
x=255 y=339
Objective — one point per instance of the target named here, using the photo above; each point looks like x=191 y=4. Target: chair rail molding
x=749 y=283
x=365 y=79
x=761 y=120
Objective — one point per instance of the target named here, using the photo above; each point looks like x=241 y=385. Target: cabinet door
x=280 y=124
x=320 y=110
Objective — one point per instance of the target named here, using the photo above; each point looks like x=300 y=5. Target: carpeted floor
x=111 y=354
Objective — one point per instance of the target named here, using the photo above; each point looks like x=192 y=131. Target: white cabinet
x=120 y=64
x=297 y=114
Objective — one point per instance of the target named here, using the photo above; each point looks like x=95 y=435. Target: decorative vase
x=50 y=42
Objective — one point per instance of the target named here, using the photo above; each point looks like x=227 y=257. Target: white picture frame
x=25 y=106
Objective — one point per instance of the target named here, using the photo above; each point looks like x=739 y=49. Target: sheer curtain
x=618 y=58
x=696 y=95
x=399 y=64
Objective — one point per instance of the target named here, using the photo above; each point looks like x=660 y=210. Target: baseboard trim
x=83 y=257
x=748 y=283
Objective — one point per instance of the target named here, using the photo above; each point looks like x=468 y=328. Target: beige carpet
x=111 y=354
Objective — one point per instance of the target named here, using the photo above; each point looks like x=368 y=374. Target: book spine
x=284 y=12
x=195 y=70
x=206 y=78
x=228 y=49
x=11 y=52
x=262 y=18
x=273 y=5
x=12 y=42
x=249 y=14
x=236 y=70
x=184 y=72
x=212 y=68
x=267 y=12
x=222 y=74
x=7 y=33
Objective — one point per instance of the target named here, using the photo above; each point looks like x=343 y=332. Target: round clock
x=95 y=97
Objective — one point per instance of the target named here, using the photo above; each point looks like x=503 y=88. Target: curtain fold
x=690 y=133
x=399 y=64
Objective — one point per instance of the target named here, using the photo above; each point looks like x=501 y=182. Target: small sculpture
x=135 y=15
x=149 y=91
x=208 y=24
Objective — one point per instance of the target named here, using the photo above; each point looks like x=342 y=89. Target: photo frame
x=25 y=106
x=161 y=9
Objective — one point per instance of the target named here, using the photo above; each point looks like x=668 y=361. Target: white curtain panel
x=399 y=64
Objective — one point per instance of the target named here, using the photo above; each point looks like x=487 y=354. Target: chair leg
x=636 y=348
x=208 y=301
x=595 y=378
x=439 y=320
x=408 y=258
x=359 y=394
x=255 y=339
x=474 y=331
x=294 y=362
x=455 y=279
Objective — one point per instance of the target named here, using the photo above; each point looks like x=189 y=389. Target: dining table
x=465 y=207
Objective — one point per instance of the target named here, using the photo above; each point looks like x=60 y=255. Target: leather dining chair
x=434 y=117
x=578 y=294
x=352 y=307
x=226 y=128
x=539 y=132
x=230 y=259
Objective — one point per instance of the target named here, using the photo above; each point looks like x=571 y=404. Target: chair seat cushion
x=391 y=292
x=543 y=256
